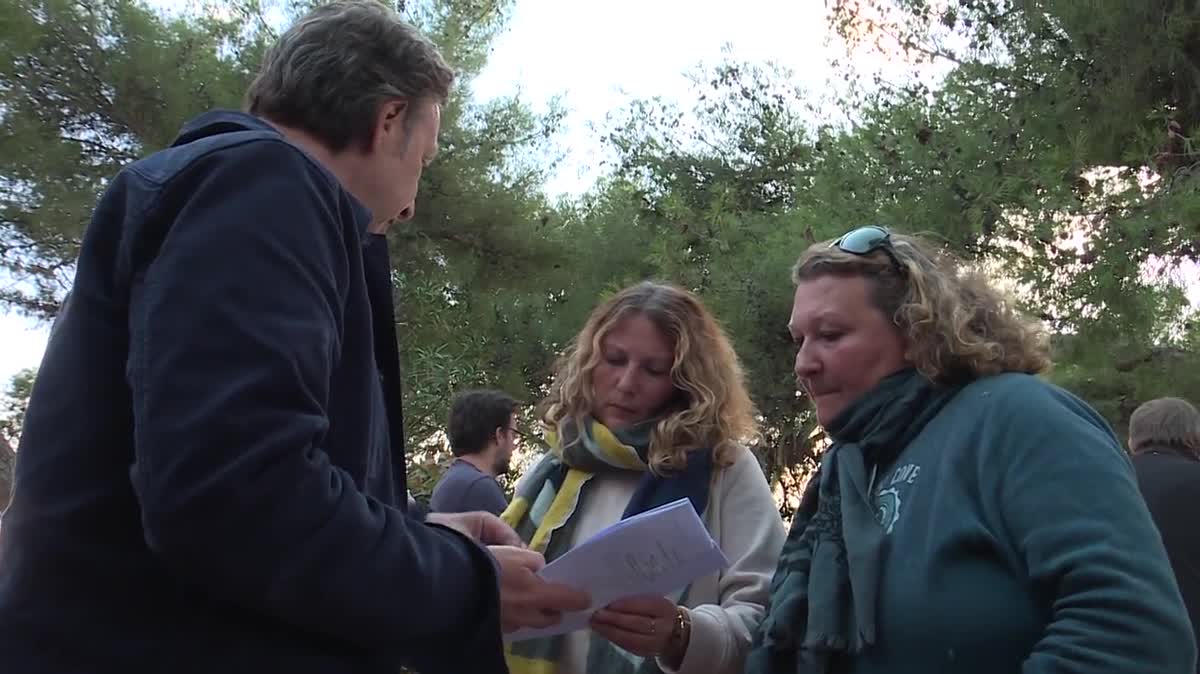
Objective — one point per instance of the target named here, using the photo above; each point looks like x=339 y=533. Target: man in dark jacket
x=211 y=473
x=1164 y=437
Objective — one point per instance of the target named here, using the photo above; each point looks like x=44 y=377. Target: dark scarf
x=823 y=595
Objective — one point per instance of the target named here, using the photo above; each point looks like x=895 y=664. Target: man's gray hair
x=332 y=69
x=1165 y=422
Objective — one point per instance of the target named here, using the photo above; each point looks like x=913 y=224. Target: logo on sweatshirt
x=889 y=500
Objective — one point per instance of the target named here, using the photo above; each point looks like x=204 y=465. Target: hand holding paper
x=652 y=553
x=526 y=600
x=641 y=625
x=483 y=528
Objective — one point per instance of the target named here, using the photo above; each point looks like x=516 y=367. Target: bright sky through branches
x=590 y=53
x=599 y=56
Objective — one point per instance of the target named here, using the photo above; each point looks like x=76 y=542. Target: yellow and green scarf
x=543 y=513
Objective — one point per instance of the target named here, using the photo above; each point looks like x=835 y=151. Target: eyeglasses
x=866 y=240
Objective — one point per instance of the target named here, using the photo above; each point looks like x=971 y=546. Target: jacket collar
x=216 y=122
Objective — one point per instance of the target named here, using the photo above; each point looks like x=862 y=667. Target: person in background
x=416 y=508
x=1164 y=437
x=483 y=434
x=211 y=472
x=968 y=517
x=649 y=405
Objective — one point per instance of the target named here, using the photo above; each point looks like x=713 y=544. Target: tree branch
x=122 y=156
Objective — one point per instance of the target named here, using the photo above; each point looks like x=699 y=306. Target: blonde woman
x=649 y=405
x=968 y=517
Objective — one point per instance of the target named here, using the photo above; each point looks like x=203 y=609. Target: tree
x=12 y=414
x=997 y=161
x=1059 y=147
x=719 y=194
x=1054 y=150
x=88 y=87
x=8 y=463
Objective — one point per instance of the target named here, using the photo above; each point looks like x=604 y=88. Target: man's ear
x=391 y=119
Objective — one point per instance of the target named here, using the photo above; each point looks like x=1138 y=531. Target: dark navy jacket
x=1169 y=480
x=208 y=478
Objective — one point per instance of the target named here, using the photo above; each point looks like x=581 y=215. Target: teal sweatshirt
x=1018 y=542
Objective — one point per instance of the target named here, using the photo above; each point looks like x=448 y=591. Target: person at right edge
x=968 y=517
x=211 y=474
x=1164 y=437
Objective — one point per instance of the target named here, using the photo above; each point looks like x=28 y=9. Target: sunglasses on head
x=866 y=240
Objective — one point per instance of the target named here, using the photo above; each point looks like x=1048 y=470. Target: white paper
x=655 y=552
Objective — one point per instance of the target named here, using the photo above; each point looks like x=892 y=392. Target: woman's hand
x=641 y=625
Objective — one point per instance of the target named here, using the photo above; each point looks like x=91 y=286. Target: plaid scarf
x=543 y=513
x=824 y=591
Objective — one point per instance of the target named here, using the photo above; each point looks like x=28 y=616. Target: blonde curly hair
x=956 y=326
x=712 y=410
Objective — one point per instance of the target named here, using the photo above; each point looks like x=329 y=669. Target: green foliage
x=1054 y=150
x=12 y=413
x=1058 y=149
x=723 y=192
x=87 y=88
x=13 y=403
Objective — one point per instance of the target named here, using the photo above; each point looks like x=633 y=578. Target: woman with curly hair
x=968 y=516
x=648 y=406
